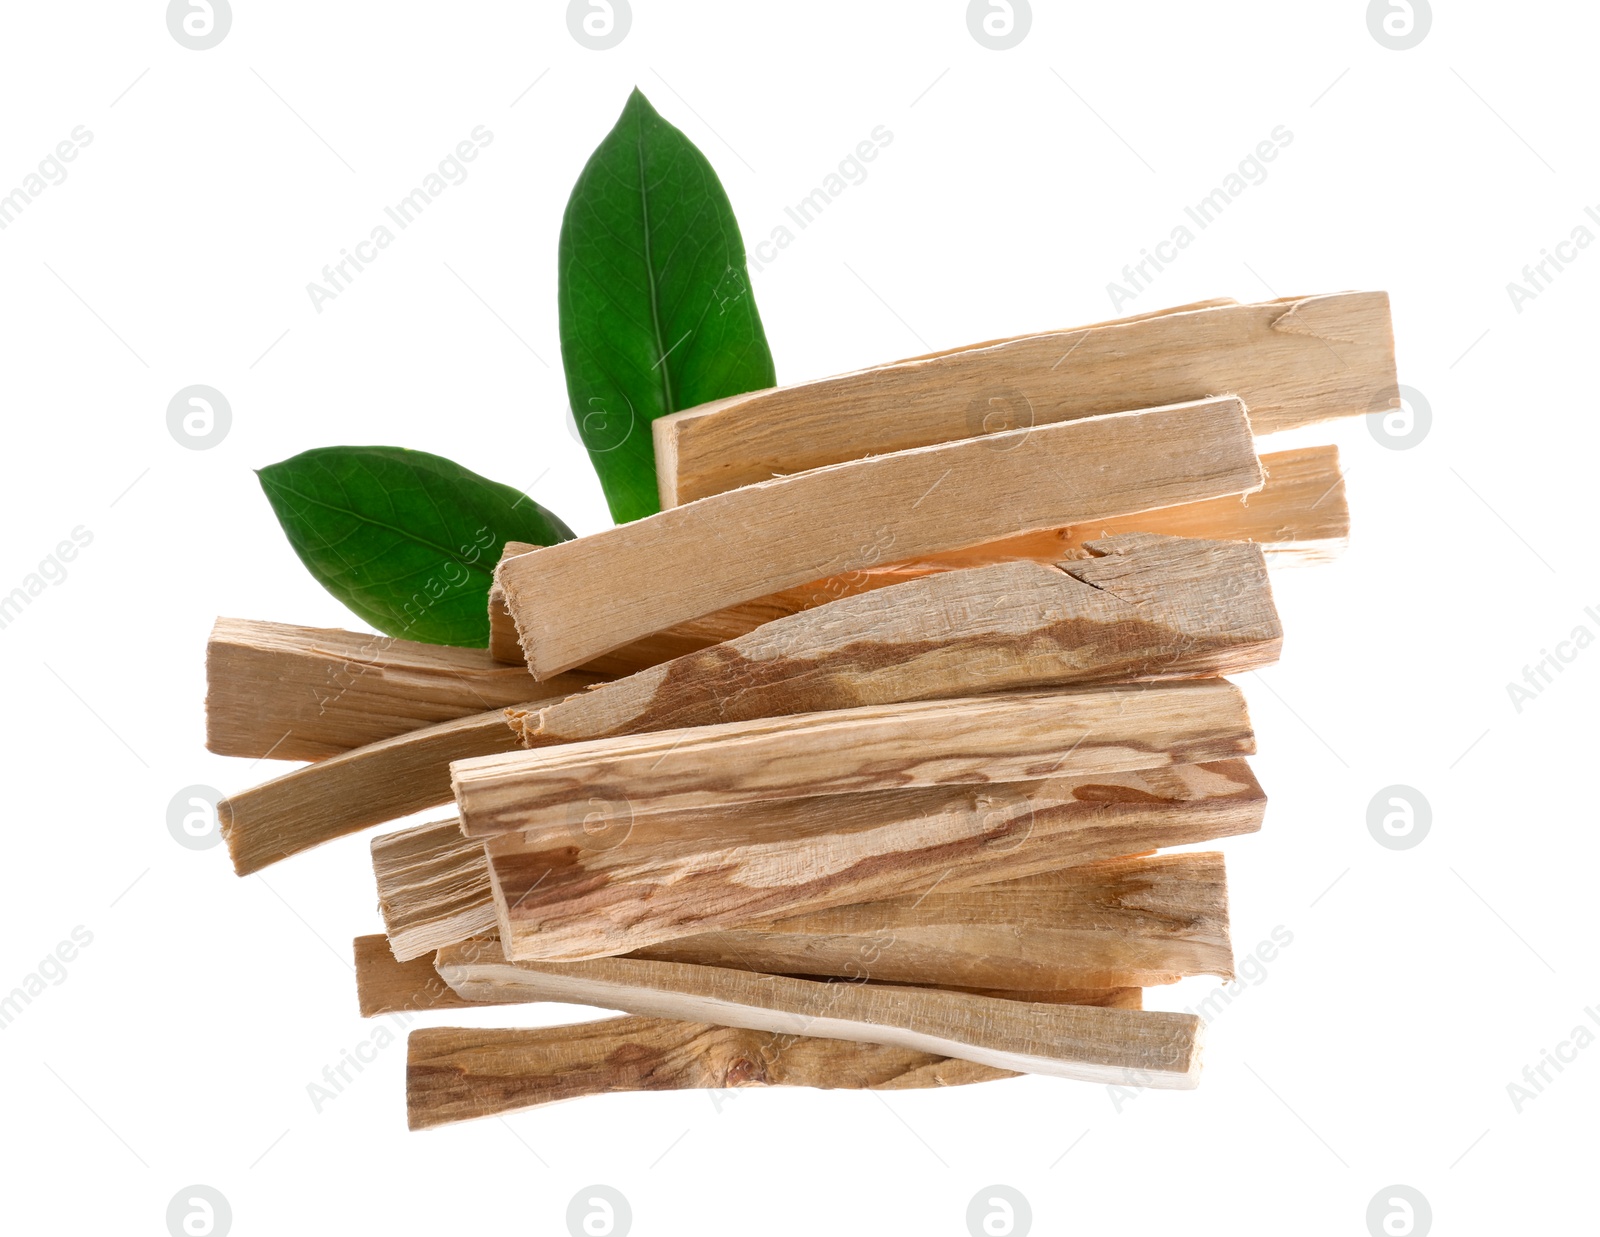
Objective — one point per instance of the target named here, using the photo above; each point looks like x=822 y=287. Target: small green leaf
x=407 y=540
x=657 y=314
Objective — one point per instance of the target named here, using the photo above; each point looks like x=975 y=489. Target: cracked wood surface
x=1299 y=517
x=433 y=887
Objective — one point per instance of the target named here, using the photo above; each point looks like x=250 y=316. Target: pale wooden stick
x=1293 y=362
x=673 y=876
x=1009 y=737
x=347 y=793
x=1144 y=607
x=1108 y=998
x=579 y=599
x=303 y=693
x=397 y=777
x=653 y=649
x=457 y=1074
x=1209 y=303
x=503 y=644
x=1299 y=516
x=1126 y=922
x=1069 y=1041
x=433 y=887
x=387 y=986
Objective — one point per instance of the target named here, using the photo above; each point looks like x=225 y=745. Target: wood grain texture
x=433 y=887
x=385 y=985
x=1131 y=922
x=1108 y=998
x=1128 y=922
x=1300 y=516
x=653 y=649
x=1142 y=607
x=305 y=693
x=1009 y=737
x=1088 y=1043
x=1293 y=362
x=355 y=790
x=658 y=878
x=577 y=600
x=457 y=1074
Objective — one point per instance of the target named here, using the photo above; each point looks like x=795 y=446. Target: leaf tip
x=639 y=102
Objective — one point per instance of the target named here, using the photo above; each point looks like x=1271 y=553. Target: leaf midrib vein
x=650 y=273
x=361 y=518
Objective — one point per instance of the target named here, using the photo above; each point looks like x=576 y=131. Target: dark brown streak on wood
x=542 y=886
x=455 y=1074
x=722 y=684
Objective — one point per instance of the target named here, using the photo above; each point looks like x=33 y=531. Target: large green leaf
x=407 y=540
x=657 y=314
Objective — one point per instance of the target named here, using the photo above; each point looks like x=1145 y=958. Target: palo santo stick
x=1106 y=998
x=675 y=876
x=1293 y=362
x=1129 y=922
x=1125 y=922
x=1143 y=607
x=456 y=1074
x=433 y=888
x=385 y=986
x=1069 y=1041
x=347 y=793
x=579 y=599
x=1211 y=303
x=1299 y=516
x=1010 y=737
x=650 y=650
x=303 y=693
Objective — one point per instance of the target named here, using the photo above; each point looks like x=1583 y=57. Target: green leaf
x=407 y=540
x=657 y=314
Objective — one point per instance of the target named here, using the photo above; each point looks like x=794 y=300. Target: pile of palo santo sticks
x=847 y=769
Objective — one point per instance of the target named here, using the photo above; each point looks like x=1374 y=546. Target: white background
x=1379 y=1046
